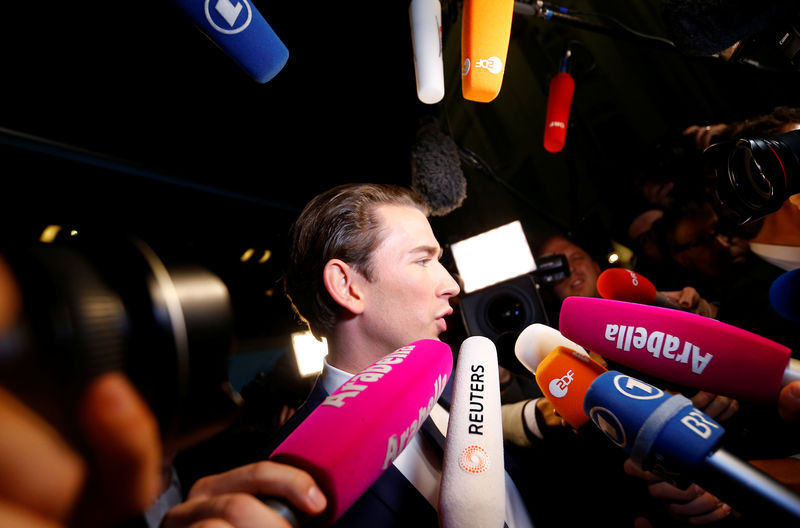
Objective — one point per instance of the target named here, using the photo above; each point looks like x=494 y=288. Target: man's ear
x=344 y=284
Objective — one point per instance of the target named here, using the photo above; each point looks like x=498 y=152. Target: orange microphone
x=564 y=376
x=485 y=33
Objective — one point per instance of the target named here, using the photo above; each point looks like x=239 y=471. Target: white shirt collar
x=332 y=377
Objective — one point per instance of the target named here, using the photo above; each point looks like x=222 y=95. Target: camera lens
x=506 y=313
x=104 y=305
x=747 y=177
x=755 y=176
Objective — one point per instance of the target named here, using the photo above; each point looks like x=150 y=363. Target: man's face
x=408 y=297
x=584 y=271
x=699 y=247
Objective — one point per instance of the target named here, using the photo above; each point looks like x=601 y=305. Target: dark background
x=123 y=116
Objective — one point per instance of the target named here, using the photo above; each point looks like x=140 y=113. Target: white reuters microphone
x=473 y=486
x=426 y=40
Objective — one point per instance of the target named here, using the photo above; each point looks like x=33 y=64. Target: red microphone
x=621 y=284
x=559 y=100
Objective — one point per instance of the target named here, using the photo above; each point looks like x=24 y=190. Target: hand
x=688 y=298
x=693 y=505
x=789 y=402
x=227 y=500
x=719 y=408
x=46 y=482
x=702 y=135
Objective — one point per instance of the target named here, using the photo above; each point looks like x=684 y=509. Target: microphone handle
x=293 y=517
x=748 y=489
x=792 y=372
x=665 y=302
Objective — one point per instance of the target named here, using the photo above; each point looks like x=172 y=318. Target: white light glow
x=494 y=256
x=309 y=353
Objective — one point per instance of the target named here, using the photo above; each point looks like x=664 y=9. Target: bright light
x=49 y=233
x=494 y=256
x=612 y=258
x=247 y=254
x=309 y=353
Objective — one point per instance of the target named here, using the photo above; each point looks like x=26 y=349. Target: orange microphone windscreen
x=485 y=33
x=564 y=377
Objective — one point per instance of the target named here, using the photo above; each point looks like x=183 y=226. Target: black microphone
x=436 y=169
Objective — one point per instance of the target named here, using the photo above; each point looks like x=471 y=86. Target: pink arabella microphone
x=359 y=430
x=680 y=347
x=622 y=284
x=472 y=491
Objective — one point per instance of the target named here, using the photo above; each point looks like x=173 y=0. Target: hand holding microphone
x=622 y=284
x=690 y=505
x=231 y=497
x=347 y=442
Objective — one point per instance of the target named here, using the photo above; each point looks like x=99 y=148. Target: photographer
x=116 y=473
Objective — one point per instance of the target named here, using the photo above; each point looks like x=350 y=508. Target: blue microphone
x=667 y=435
x=784 y=295
x=239 y=29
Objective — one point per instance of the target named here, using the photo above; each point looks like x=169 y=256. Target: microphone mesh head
x=436 y=170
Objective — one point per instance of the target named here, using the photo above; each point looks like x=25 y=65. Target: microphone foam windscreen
x=239 y=29
x=564 y=376
x=649 y=424
x=356 y=433
x=784 y=295
x=485 y=34
x=472 y=492
x=621 y=284
x=559 y=101
x=678 y=346
x=537 y=341
x=436 y=170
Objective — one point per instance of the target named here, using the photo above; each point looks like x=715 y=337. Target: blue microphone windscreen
x=784 y=295
x=654 y=427
x=239 y=29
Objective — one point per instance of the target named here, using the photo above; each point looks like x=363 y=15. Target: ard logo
x=228 y=16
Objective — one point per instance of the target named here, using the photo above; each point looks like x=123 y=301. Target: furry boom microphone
x=436 y=170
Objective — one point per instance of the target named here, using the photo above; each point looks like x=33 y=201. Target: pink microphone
x=357 y=432
x=680 y=347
